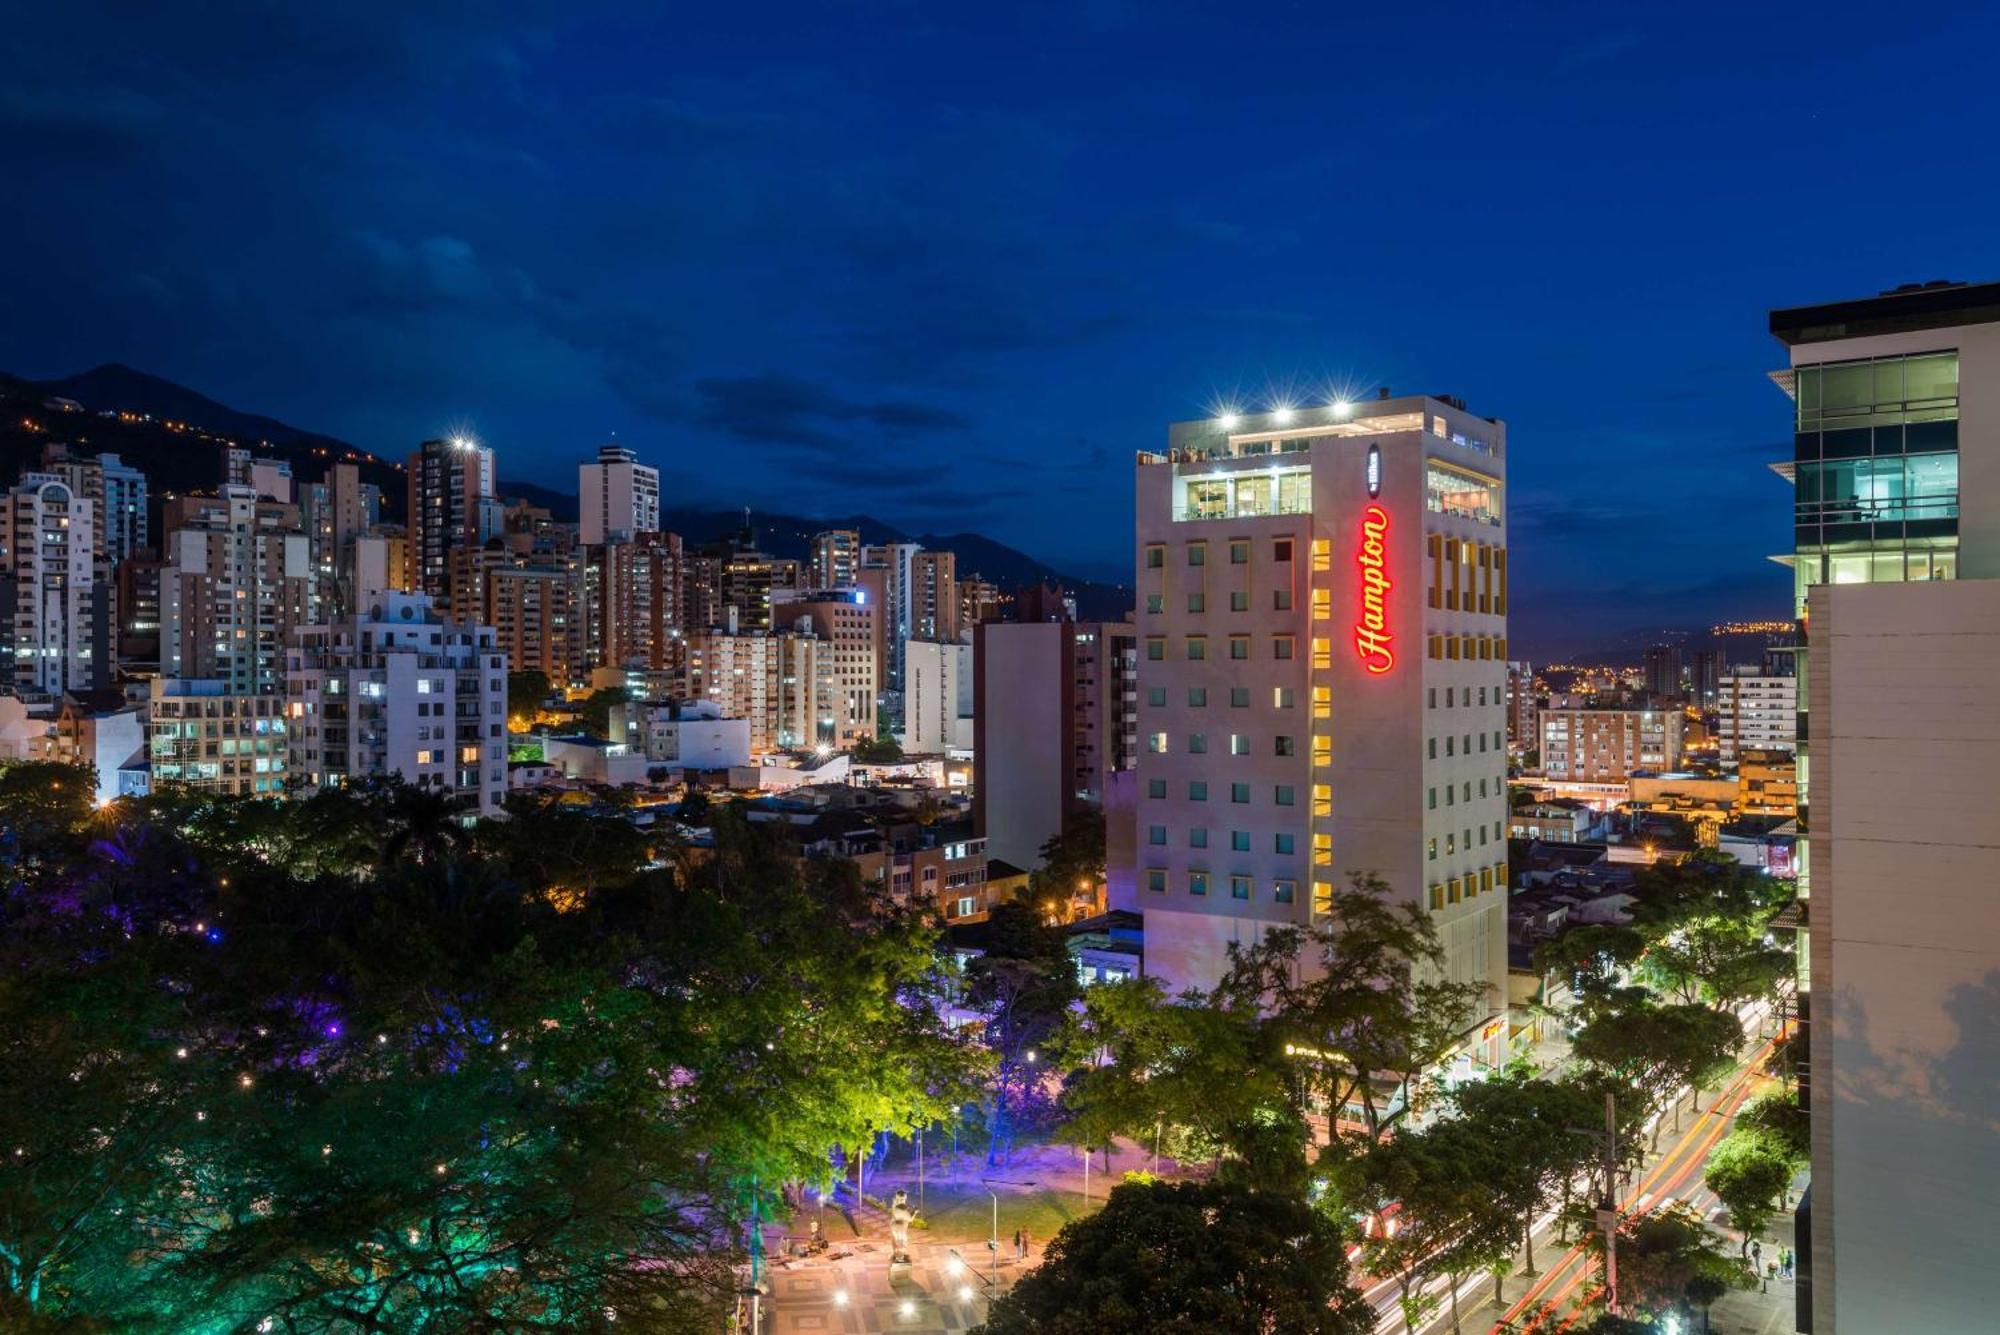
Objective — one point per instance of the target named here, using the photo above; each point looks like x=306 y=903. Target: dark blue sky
x=951 y=263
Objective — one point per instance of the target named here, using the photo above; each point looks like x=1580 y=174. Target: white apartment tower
x=1756 y=712
x=236 y=579
x=48 y=589
x=618 y=497
x=400 y=689
x=1322 y=678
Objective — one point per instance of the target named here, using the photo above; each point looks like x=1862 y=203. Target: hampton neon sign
x=1371 y=630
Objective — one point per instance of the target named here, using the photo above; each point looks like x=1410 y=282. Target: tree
x=1541 y=1132
x=1023 y=983
x=1360 y=997
x=879 y=750
x=1593 y=958
x=1749 y=1172
x=1450 y=1221
x=1779 y=1116
x=1201 y=1079
x=1667 y=1261
x=526 y=690
x=1656 y=1049
x=1073 y=858
x=1189 y=1259
x=414 y=1089
x=594 y=715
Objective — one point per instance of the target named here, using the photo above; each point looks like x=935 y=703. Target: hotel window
x=1284 y=795
x=1450 y=794
x=1322 y=604
x=1156 y=743
x=1239 y=697
x=1239 y=553
x=1281 y=549
x=1284 y=746
x=1197 y=743
x=1156 y=880
x=1156 y=834
x=1322 y=702
x=1450 y=844
x=1431 y=749
x=1283 y=697
x=1239 y=744
x=1451 y=746
x=1322 y=849
x=1198 y=697
x=1197 y=883
x=1281 y=600
x=1156 y=648
x=1239 y=601
x=1197 y=602
x=1239 y=887
x=1281 y=843
x=1284 y=892
x=1156 y=603
x=1197 y=648
x=1197 y=790
x=1156 y=557
x=1197 y=553
x=1482 y=836
x=1322 y=897
x=1239 y=647
x=1322 y=554
x=1239 y=792
x=1198 y=837
x=1431 y=851
x=1437 y=897
x=1322 y=799
x=1453 y=890
x=1281 y=646
x=1156 y=787
x=1156 y=696
x=1239 y=841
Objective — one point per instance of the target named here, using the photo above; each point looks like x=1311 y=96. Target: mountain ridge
x=147 y=419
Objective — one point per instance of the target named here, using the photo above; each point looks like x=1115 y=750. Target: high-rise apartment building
x=979 y=600
x=1055 y=726
x=115 y=490
x=539 y=614
x=1896 y=465
x=206 y=736
x=54 y=617
x=1523 y=708
x=236 y=578
x=938 y=697
x=638 y=612
x=618 y=498
x=1756 y=712
x=836 y=555
x=1323 y=623
x=934 y=597
x=451 y=505
x=1665 y=673
x=1608 y=745
x=781 y=683
x=335 y=512
x=889 y=572
x=400 y=689
x=849 y=628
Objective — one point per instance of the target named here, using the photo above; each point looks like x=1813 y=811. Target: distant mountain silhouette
x=175 y=435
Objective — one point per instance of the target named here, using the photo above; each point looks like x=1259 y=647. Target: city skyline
x=959 y=293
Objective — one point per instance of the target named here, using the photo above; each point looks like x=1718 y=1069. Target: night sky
x=949 y=264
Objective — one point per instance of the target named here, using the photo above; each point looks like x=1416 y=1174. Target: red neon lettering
x=1371 y=632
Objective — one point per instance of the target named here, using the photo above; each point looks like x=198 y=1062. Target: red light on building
x=1371 y=631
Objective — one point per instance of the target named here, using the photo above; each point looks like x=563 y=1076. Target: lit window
x=1239 y=744
x=1197 y=882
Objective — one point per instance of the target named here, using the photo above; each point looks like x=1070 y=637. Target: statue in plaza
x=900 y=1215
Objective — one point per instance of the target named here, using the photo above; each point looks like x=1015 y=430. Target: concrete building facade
x=50 y=638
x=618 y=498
x=1755 y=712
x=1322 y=619
x=938 y=697
x=400 y=689
x=1606 y=745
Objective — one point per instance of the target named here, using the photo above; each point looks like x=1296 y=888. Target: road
x=1672 y=1173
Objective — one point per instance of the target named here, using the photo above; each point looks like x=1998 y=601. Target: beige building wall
x=1905 y=955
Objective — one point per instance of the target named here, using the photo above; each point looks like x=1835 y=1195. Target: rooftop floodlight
x=1282 y=414
x=1341 y=407
x=1227 y=421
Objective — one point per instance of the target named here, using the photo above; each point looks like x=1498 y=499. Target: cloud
x=786 y=410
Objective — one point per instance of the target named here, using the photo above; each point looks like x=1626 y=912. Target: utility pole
x=1607 y=1211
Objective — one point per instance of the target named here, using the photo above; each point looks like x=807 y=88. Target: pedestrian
x=1785 y=1259
x=1756 y=1256
x=1020 y=1248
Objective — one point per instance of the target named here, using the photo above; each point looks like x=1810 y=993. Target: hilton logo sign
x=1371 y=630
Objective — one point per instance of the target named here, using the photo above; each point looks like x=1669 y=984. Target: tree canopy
x=356 y=1063
x=1189 y=1258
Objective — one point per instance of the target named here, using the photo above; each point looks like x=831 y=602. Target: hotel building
x=1322 y=677
x=1896 y=465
